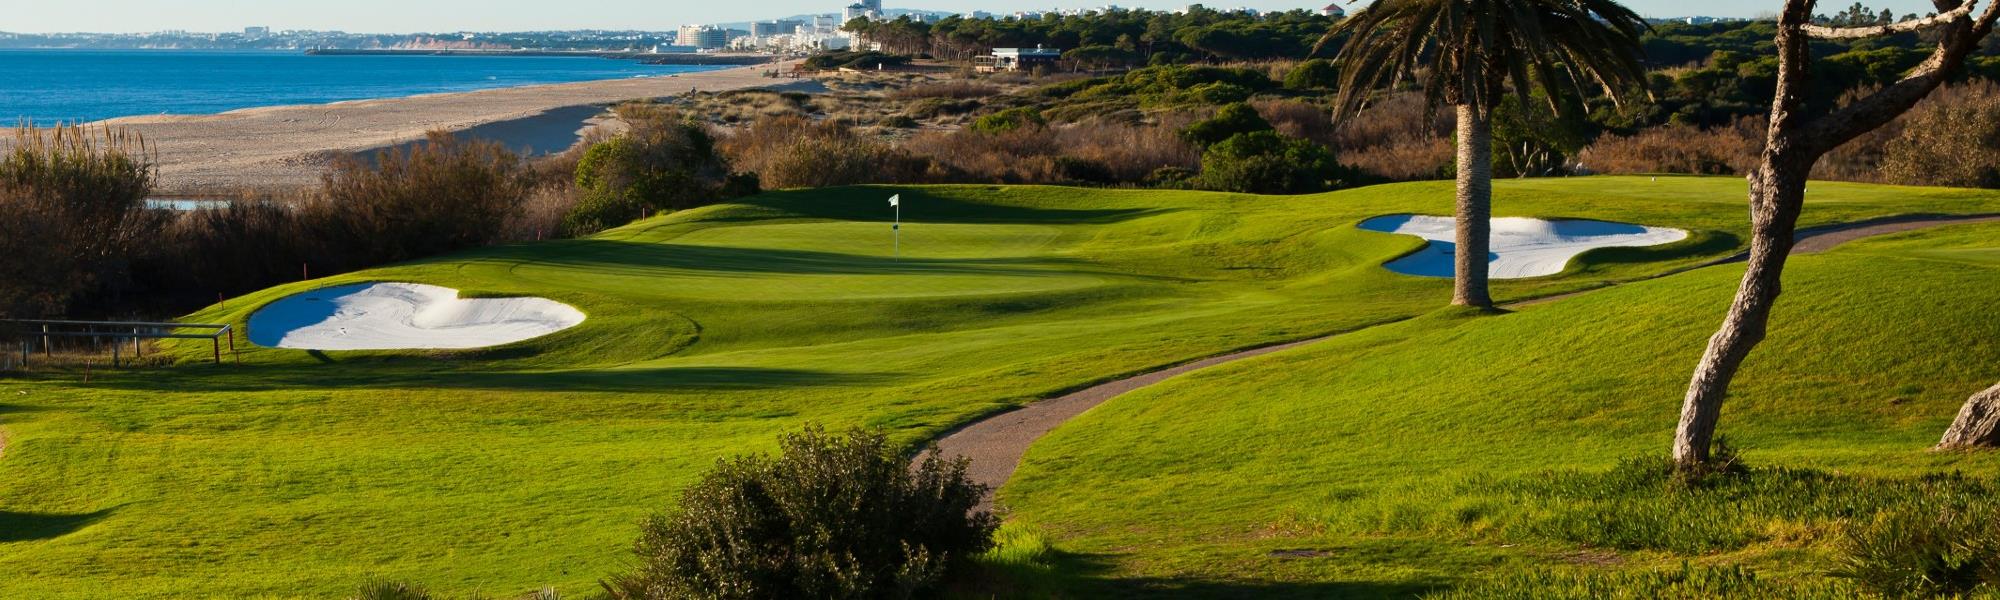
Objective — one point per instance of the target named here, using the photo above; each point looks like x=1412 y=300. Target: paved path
x=996 y=443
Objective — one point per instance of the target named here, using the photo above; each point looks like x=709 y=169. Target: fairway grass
x=1392 y=454
x=302 y=474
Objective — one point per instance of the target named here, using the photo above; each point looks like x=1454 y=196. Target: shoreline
x=278 y=148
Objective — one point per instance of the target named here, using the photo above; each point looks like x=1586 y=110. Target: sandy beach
x=288 y=146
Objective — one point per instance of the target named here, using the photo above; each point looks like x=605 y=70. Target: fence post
x=114 y=353
x=217 y=345
x=136 y=351
x=48 y=349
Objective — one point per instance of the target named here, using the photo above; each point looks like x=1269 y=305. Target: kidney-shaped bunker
x=1521 y=247
x=404 y=316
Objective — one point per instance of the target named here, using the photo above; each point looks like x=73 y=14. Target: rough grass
x=1496 y=442
x=500 y=471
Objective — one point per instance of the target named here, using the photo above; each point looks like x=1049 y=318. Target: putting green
x=299 y=474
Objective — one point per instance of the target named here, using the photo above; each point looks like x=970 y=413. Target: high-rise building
x=702 y=37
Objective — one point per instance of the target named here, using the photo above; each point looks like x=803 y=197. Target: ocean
x=49 y=86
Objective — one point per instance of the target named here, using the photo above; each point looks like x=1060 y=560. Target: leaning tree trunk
x=1978 y=423
x=1793 y=143
x=1475 y=208
x=1776 y=195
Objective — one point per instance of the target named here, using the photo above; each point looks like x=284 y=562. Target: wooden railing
x=48 y=331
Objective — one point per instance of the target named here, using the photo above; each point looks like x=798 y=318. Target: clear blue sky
x=399 y=16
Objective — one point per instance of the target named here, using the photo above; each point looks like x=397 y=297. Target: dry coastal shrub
x=1952 y=139
x=428 y=198
x=69 y=198
x=1678 y=149
x=792 y=152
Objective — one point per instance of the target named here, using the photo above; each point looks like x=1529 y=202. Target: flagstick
x=898 y=228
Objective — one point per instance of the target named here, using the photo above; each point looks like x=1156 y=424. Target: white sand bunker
x=1522 y=247
x=404 y=316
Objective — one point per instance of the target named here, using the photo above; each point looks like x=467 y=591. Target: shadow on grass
x=250 y=378
x=1073 y=575
x=28 y=527
x=599 y=253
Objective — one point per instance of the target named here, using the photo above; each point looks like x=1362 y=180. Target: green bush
x=1231 y=121
x=1171 y=178
x=829 y=517
x=1177 y=85
x=1315 y=74
x=1928 y=549
x=1266 y=162
x=1008 y=120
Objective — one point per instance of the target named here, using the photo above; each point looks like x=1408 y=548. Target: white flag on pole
x=896 y=200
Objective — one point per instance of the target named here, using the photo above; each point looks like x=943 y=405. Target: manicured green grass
x=709 y=331
x=1468 y=447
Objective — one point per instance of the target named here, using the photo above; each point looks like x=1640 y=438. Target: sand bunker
x=400 y=316
x=1522 y=247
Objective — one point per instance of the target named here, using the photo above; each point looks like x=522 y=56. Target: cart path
x=996 y=443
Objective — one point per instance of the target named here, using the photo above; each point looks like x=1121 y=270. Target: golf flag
x=896 y=200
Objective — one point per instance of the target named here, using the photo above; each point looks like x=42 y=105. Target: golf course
x=1415 y=449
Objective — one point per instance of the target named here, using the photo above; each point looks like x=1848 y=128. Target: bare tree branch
x=1960 y=39
x=1848 y=33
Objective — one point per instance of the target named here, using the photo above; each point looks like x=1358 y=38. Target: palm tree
x=1467 y=54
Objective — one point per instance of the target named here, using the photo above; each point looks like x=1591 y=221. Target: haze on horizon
x=403 y=16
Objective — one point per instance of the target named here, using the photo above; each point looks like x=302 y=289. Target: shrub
x=1314 y=74
x=664 y=163
x=1126 y=152
x=1231 y=121
x=788 y=152
x=1952 y=139
x=1930 y=549
x=1678 y=149
x=1009 y=120
x=829 y=517
x=427 y=198
x=865 y=60
x=68 y=199
x=1264 y=162
x=952 y=90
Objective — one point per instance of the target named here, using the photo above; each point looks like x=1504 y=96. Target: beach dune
x=281 y=147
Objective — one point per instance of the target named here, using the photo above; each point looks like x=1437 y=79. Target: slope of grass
x=709 y=331
x=1448 y=448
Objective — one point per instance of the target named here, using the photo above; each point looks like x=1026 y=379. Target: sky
x=404 y=16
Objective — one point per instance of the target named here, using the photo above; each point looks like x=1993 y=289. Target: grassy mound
x=709 y=331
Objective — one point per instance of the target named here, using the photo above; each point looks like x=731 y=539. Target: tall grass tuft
x=1687 y=583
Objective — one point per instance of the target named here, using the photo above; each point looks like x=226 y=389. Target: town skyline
x=386 y=16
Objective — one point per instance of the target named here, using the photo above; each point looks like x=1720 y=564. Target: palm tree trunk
x=1978 y=423
x=1475 y=208
x=1776 y=195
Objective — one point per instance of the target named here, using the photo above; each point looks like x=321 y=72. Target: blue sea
x=48 y=86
